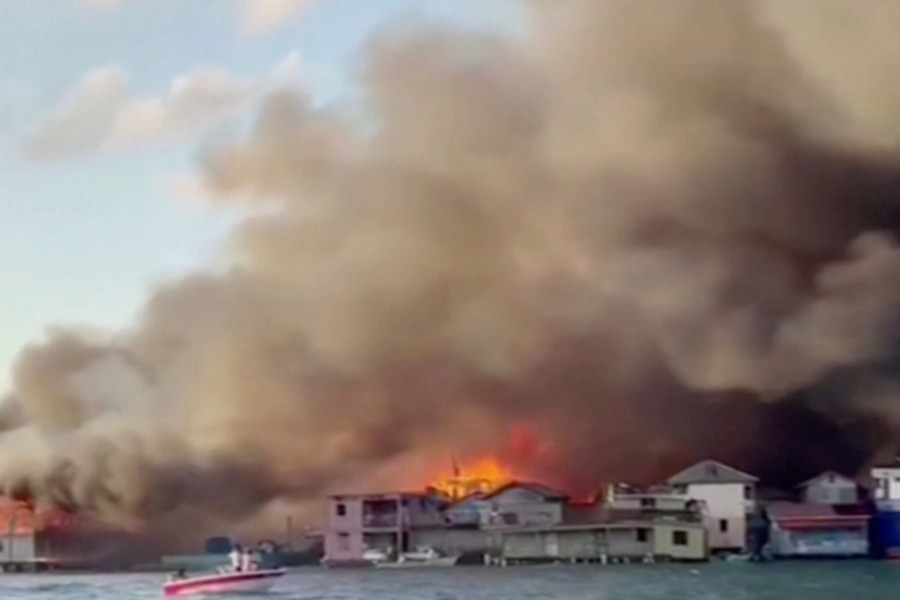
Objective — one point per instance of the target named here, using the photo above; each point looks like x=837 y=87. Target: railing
x=381 y=520
x=389 y=521
x=469 y=518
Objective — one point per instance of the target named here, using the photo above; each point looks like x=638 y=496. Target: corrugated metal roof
x=791 y=515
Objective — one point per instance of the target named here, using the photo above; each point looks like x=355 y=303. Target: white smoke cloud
x=101 y=114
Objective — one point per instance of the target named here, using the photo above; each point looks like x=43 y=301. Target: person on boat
x=234 y=557
x=178 y=575
x=247 y=561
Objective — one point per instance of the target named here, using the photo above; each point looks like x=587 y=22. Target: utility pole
x=290 y=533
x=10 y=540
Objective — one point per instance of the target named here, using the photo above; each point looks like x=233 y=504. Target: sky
x=104 y=105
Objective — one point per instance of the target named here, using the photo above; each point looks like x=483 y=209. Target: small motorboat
x=420 y=557
x=224 y=582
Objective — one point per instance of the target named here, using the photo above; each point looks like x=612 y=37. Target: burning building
x=478 y=478
x=33 y=539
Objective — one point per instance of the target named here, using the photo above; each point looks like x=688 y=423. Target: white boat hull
x=250 y=582
x=444 y=561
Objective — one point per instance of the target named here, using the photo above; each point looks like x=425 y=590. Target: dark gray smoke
x=652 y=231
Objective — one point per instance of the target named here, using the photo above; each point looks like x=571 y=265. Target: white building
x=886 y=482
x=727 y=496
x=830 y=488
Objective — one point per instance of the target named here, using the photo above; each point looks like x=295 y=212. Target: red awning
x=835 y=522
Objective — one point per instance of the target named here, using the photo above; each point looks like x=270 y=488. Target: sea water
x=721 y=581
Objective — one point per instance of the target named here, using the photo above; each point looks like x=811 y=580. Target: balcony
x=386 y=521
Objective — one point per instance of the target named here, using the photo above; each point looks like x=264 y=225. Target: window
x=648 y=502
x=642 y=534
x=723 y=525
x=344 y=542
x=509 y=518
x=748 y=492
x=679 y=538
x=680 y=489
x=341 y=510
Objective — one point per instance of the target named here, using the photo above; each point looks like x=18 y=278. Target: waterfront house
x=629 y=524
x=727 y=495
x=357 y=522
x=604 y=542
x=33 y=539
x=20 y=538
x=818 y=530
x=830 y=488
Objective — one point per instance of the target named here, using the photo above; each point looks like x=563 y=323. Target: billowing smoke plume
x=650 y=231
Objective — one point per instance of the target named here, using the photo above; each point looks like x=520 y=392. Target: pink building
x=360 y=522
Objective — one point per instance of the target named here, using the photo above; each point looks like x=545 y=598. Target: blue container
x=886 y=532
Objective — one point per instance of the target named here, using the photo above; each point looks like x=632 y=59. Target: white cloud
x=100 y=114
x=85 y=119
x=261 y=16
x=255 y=17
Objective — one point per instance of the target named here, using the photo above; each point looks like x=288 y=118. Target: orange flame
x=481 y=476
x=21 y=517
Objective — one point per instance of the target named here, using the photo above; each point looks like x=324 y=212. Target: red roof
x=792 y=516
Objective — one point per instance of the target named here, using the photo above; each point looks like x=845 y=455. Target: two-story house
x=727 y=496
x=360 y=522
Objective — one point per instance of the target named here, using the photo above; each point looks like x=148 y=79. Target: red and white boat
x=226 y=582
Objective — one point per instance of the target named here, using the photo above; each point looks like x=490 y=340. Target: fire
x=483 y=475
x=22 y=517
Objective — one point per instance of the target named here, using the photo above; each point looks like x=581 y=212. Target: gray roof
x=822 y=476
x=710 y=471
x=540 y=489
